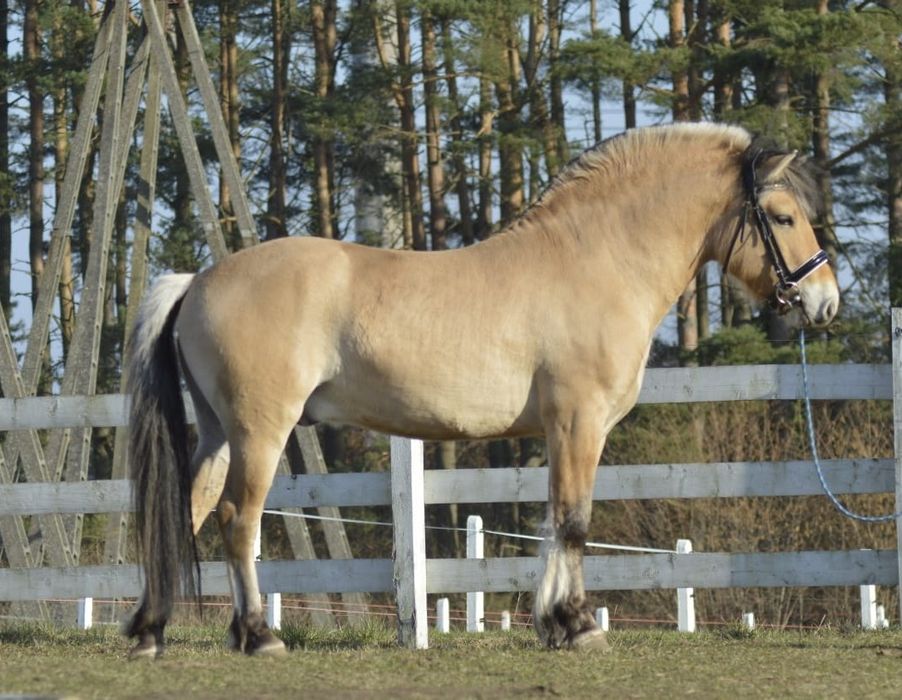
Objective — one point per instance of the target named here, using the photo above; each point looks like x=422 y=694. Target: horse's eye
x=783 y=220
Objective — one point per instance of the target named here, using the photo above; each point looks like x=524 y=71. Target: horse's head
x=772 y=248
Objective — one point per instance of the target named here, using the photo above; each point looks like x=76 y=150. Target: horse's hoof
x=145 y=650
x=594 y=641
x=274 y=648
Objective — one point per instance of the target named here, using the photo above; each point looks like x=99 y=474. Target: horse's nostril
x=827 y=312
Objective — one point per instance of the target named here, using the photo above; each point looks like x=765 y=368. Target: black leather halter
x=786 y=291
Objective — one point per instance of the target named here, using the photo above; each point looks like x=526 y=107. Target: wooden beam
x=497 y=485
x=221 y=142
x=494 y=575
x=333 y=529
x=117 y=525
x=181 y=120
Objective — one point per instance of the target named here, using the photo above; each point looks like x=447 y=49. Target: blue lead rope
x=817 y=462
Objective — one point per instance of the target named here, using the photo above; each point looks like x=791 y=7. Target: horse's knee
x=573 y=527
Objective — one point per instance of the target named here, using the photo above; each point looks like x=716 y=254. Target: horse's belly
x=437 y=413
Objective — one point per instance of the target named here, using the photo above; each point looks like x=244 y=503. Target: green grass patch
x=366 y=663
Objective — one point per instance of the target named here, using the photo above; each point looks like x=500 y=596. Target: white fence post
x=258 y=544
x=476 y=599
x=748 y=621
x=896 y=336
x=882 y=622
x=602 y=619
x=685 y=596
x=442 y=616
x=84 y=617
x=274 y=611
x=505 y=620
x=868 y=607
x=409 y=516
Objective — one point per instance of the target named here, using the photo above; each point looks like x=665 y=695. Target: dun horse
x=543 y=329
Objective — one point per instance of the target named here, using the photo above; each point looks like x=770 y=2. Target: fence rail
x=661 y=385
x=504 y=485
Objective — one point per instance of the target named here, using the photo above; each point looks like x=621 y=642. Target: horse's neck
x=642 y=243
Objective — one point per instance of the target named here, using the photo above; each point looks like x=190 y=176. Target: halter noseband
x=786 y=291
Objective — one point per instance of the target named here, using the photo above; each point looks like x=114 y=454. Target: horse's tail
x=159 y=461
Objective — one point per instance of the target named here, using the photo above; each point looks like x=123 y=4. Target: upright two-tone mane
x=543 y=329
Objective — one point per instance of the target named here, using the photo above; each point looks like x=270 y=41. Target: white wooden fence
x=412 y=575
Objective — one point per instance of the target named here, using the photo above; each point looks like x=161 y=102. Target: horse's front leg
x=562 y=615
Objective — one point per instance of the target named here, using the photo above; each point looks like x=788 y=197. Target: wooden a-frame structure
x=151 y=75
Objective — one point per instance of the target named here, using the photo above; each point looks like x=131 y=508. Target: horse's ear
x=775 y=173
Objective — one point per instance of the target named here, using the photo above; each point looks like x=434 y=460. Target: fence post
x=274 y=611
x=475 y=600
x=442 y=616
x=602 y=619
x=409 y=517
x=258 y=544
x=882 y=622
x=748 y=621
x=868 y=607
x=84 y=617
x=897 y=436
x=685 y=596
x=505 y=620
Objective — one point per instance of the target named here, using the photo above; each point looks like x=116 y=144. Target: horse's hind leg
x=562 y=615
x=253 y=465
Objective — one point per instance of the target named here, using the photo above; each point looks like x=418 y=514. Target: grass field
x=37 y=660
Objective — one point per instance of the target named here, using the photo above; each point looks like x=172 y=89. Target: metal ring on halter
x=787 y=294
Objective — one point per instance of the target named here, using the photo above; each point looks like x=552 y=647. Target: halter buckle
x=786 y=296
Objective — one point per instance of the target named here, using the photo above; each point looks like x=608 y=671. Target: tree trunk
x=596 y=79
x=183 y=219
x=510 y=155
x=892 y=92
x=687 y=315
x=458 y=161
x=723 y=82
x=32 y=50
x=410 y=161
x=629 y=97
x=820 y=136
x=229 y=102
x=696 y=24
x=6 y=229
x=484 y=218
x=677 y=19
x=324 y=41
x=539 y=117
x=697 y=21
x=556 y=86
x=276 y=226
x=435 y=174
x=61 y=154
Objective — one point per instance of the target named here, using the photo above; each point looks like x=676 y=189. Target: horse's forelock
x=800 y=175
